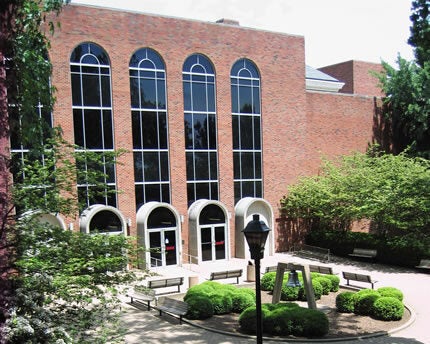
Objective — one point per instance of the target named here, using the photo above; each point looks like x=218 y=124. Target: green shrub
x=204 y=288
x=388 y=308
x=335 y=281
x=267 y=281
x=345 y=302
x=242 y=299
x=248 y=318
x=363 y=301
x=325 y=283
x=318 y=290
x=289 y=293
x=199 y=307
x=280 y=321
x=391 y=291
x=290 y=319
x=314 y=323
x=221 y=301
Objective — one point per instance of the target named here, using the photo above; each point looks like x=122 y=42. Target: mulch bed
x=341 y=325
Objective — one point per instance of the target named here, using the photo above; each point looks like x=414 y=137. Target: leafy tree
x=420 y=31
x=407 y=90
x=56 y=286
x=391 y=191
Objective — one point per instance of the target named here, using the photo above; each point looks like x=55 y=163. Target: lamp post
x=256 y=232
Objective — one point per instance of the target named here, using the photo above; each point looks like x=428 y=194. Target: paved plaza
x=147 y=327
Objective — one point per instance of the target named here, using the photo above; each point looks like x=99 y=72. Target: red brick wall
x=356 y=76
x=297 y=125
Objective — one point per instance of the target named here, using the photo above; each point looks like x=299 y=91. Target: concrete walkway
x=147 y=327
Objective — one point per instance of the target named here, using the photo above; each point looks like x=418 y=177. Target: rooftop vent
x=228 y=21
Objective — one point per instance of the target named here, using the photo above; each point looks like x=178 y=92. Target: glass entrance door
x=163 y=248
x=213 y=243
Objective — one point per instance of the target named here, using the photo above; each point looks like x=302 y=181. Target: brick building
x=216 y=120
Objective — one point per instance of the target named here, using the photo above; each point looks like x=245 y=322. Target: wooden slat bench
x=172 y=307
x=424 y=264
x=363 y=253
x=273 y=268
x=358 y=277
x=166 y=282
x=146 y=296
x=314 y=252
x=321 y=269
x=226 y=274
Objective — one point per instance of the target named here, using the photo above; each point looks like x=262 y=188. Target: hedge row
x=383 y=304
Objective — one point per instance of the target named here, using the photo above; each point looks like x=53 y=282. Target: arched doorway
x=209 y=231
x=244 y=210
x=55 y=220
x=158 y=230
x=100 y=218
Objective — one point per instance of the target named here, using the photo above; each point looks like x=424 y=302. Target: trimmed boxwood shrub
x=363 y=301
x=391 y=291
x=325 y=283
x=318 y=290
x=285 y=319
x=221 y=301
x=242 y=299
x=289 y=293
x=345 y=302
x=267 y=281
x=199 y=307
x=388 y=308
x=335 y=281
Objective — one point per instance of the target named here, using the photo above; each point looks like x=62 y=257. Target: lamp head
x=256 y=233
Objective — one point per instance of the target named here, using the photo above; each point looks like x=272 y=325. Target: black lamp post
x=256 y=232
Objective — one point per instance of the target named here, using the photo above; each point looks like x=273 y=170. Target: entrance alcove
x=159 y=232
x=244 y=209
x=104 y=219
x=208 y=231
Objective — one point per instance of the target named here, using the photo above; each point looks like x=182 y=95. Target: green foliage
x=221 y=301
x=286 y=319
x=325 y=284
x=391 y=191
x=388 y=308
x=268 y=281
x=335 y=281
x=242 y=298
x=67 y=285
x=318 y=290
x=391 y=292
x=364 y=300
x=199 y=307
x=289 y=293
x=345 y=302
x=420 y=31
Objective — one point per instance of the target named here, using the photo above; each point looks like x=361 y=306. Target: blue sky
x=334 y=30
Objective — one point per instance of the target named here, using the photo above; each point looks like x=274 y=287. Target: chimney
x=228 y=21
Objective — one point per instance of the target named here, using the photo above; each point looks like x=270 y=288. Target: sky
x=334 y=30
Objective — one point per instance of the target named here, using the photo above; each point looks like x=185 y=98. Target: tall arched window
x=93 y=124
x=200 y=128
x=245 y=104
x=149 y=122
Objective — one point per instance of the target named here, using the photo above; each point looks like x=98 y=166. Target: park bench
x=358 y=277
x=314 y=252
x=226 y=274
x=172 y=307
x=142 y=296
x=363 y=253
x=424 y=264
x=321 y=269
x=166 y=282
x=273 y=268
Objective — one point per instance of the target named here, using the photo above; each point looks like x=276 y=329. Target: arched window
x=200 y=128
x=93 y=124
x=149 y=123
x=246 y=113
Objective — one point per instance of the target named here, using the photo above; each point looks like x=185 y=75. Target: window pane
x=138 y=166
x=211 y=97
x=246 y=132
x=188 y=127
x=91 y=90
x=190 y=166
x=152 y=192
x=161 y=89
x=149 y=126
x=202 y=166
x=213 y=166
x=187 y=96
x=138 y=191
x=78 y=127
x=245 y=99
x=234 y=100
x=256 y=102
x=202 y=190
x=199 y=97
x=235 y=128
x=134 y=92
x=258 y=165
x=212 y=131
x=200 y=131
x=147 y=94
x=107 y=129
x=151 y=167
x=105 y=84
x=135 y=120
x=76 y=89
x=93 y=129
x=165 y=191
x=257 y=133
x=247 y=166
x=162 y=130
x=236 y=165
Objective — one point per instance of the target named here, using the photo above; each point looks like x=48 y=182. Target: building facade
x=216 y=121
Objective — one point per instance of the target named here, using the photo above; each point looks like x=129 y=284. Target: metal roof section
x=322 y=82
